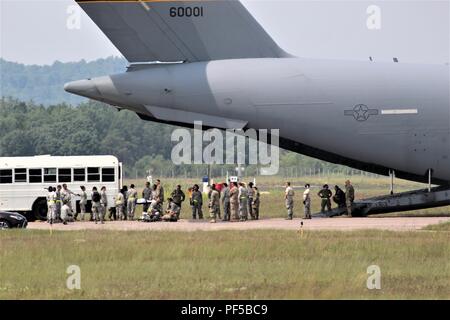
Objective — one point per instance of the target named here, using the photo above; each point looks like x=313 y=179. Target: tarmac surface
x=339 y=224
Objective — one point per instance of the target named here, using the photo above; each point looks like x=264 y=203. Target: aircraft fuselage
x=371 y=116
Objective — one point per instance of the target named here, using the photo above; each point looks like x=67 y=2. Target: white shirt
x=65 y=210
x=242 y=192
x=83 y=197
x=120 y=199
x=289 y=192
x=66 y=194
x=306 y=195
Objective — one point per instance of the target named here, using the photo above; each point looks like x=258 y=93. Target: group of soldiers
x=154 y=202
x=341 y=198
x=59 y=204
x=238 y=202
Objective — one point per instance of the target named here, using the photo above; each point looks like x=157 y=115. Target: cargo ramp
x=406 y=201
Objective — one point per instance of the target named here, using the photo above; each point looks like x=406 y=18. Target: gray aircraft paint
x=351 y=113
x=170 y=38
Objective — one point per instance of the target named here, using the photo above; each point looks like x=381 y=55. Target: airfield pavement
x=336 y=224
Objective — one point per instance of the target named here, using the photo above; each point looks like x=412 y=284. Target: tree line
x=44 y=84
x=38 y=117
x=93 y=128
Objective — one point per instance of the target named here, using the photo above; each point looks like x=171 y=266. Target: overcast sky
x=35 y=32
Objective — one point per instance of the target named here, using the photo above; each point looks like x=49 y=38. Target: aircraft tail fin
x=189 y=31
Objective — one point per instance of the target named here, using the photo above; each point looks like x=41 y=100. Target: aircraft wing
x=173 y=31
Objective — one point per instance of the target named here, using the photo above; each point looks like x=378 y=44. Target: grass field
x=233 y=264
x=224 y=265
x=272 y=192
x=440 y=227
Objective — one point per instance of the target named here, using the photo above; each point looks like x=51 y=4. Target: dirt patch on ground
x=341 y=224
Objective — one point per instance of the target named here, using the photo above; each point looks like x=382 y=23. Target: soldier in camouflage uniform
x=147 y=195
x=120 y=205
x=58 y=202
x=339 y=197
x=125 y=205
x=66 y=197
x=234 y=201
x=226 y=202
x=96 y=206
x=251 y=194
x=178 y=197
x=51 y=205
x=196 y=203
x=131 y=202
x=83 y=202
x=65 y=211
x=307 y=202
x=104 y=203
x=243 y=202
x=325 y=194
x=159 y=194
x=214 y=204
x=349 y=197
x=255 y=203
x=173 y=209
x=289 y=199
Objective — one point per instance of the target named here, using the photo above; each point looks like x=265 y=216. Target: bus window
x=108 y=174
x=35 y=175
x=64 y=175
x=93 y=174
x=79 y=175
x=50 y=175
x=6 y=176
x=20 y=175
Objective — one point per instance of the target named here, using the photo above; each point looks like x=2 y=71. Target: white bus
x=24 y=180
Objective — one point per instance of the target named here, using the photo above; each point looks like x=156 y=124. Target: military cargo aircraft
x=211 y=61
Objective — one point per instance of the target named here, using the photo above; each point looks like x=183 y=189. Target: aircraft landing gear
x=392 y=176
x=430 y=176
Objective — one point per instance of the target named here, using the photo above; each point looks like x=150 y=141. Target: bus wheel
x=40 y=209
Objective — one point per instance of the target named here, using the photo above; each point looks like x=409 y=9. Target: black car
x=10 y=220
